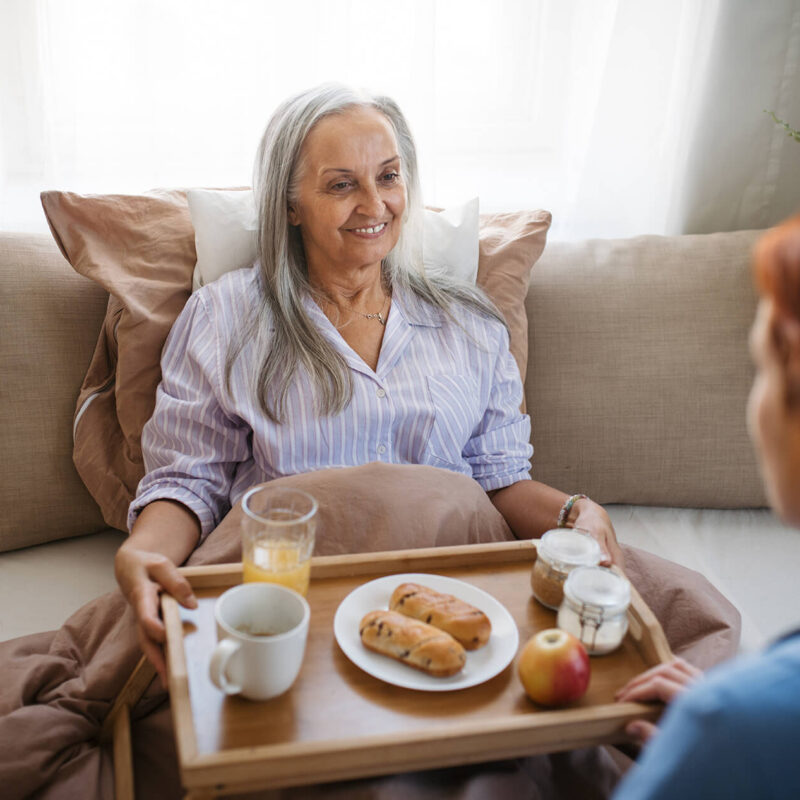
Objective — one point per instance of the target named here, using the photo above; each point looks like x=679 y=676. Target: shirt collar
x=406 y=312
x=414 y=310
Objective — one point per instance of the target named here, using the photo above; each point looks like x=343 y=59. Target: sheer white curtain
x=620 y=116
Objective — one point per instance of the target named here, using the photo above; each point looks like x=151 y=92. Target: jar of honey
x=559 y=551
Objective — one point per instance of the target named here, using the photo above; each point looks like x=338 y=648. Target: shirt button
x=381 y=449
x=380 y=393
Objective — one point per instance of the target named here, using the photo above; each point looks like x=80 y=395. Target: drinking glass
x=278 y=536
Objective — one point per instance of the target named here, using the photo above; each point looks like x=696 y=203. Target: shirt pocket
x=456 y=414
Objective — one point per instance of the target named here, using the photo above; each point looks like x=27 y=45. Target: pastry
x=413 y=642
x=465 y=623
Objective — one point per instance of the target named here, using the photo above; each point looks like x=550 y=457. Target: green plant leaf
x=795 y=134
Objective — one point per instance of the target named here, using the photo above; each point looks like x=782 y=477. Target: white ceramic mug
x=262 y=630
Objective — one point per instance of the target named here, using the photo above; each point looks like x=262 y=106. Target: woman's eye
x=340 y=186
x=391 y=177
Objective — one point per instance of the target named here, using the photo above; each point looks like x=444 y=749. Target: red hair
x=776 y=265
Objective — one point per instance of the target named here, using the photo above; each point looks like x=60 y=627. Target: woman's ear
x=291 y=213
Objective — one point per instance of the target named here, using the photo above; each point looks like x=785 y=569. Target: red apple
x=554 y=668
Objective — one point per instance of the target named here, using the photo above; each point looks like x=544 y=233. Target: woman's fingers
x=154 y=653
x=614 y=551
x=136 y=569
x=158 y=573
x=606 y=560
x=594 y=519
x=166 y=574
x=144 y=599
x=142 y=576
x=612 y=546
x=138 y=589
x=601 y=535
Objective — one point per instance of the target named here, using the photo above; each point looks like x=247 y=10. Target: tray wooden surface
x=339 y=722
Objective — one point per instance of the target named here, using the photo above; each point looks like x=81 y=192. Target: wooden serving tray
x=338 y=722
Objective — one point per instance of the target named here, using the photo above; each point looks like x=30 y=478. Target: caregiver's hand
x=663 y=682
x=593 y=518
x=145 y=565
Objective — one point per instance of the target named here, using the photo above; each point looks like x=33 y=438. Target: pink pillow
x=140 y=249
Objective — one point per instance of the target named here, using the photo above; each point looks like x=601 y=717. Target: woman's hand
x=530 y=508
x=141 y=576
x=663 y=682
x=163 y=536
x=593 y=518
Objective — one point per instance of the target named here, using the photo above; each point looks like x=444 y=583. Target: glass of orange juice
x=278 y=536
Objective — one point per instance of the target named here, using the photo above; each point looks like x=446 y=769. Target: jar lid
x=599 y=587
x=569 y=547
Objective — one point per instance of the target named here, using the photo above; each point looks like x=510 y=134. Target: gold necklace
x=377 y=315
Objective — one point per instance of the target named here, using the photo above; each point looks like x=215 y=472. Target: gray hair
x=284 y=335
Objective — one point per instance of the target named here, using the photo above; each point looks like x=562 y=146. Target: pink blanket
x=57 y=687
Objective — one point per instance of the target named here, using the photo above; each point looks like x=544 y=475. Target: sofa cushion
x=74 y=571
x=748 y=554
x=141 y=249
x=639 y=370
x=49 y=318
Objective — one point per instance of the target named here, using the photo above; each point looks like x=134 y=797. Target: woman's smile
x=370 y=232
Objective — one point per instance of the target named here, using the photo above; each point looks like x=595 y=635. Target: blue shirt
x=734 y=736
x=442 y=394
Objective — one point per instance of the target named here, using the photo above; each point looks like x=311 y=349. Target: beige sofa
x=637 y=381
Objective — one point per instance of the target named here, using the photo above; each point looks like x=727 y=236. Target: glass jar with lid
x=595 y=608
x=559 y=551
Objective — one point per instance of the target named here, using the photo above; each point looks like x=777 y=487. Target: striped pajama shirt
x=442 y=394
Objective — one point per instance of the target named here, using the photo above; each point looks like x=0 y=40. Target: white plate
x=482 y=664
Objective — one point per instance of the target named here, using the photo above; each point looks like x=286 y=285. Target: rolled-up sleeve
x=499 y=450
x=191 y=446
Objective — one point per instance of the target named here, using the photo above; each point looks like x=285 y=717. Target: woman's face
x=774 y=426
x=351 y=197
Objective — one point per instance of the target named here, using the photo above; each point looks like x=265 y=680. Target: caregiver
x=734 y=735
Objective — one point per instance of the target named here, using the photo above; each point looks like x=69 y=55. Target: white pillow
x=225 y=232
x=450 y=240
x=225 y=235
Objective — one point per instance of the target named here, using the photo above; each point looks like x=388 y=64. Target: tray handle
x=647 y=632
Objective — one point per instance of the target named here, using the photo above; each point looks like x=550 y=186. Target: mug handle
x=219 y=664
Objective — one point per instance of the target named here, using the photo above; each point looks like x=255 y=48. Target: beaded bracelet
x=567 y=507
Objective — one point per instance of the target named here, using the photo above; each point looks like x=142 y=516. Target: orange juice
x=279 y=561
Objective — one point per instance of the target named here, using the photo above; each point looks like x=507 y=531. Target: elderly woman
x=335 y=350
x=734 y=735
